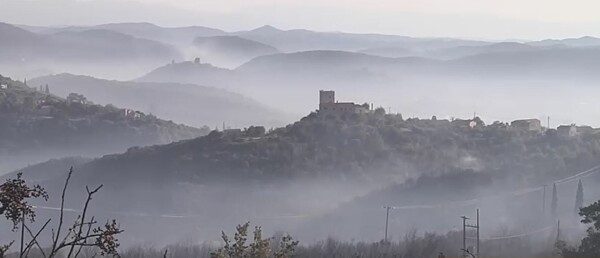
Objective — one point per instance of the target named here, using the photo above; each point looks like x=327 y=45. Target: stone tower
x=326 y=97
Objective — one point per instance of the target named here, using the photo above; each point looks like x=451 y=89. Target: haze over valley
x=355 y=144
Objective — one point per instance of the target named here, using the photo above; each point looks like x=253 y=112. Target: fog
x=193 y=130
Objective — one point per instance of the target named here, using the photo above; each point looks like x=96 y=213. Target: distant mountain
x=586 y=41
x=306 y=40
x=184 y=103
x=176 y=36
x=38 y=126
x=573 y=63
x=101 y=45
x=230 y=51
x=96 y=52
x=193 y=73
x=465 y=51
x=338 y=65
x=16 y=44
x=448 y=53
x=392 y=52
x=303 y=40
x=505 y=60
x=95 y=45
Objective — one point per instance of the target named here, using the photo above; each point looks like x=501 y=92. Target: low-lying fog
x=259 y=84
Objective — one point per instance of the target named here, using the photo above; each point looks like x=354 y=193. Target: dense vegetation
x=367 y=146
x=33 y=120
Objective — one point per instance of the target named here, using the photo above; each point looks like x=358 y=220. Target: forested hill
x=333 y=160
x=33 y=121
x=366 y=147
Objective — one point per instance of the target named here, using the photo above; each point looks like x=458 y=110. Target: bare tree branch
x=34 y=239
x=83 y=214
x=62 y=212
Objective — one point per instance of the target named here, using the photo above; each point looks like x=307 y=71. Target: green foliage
x=380 y=111
x=318 y=146
x=14 y=196
x=590 y=245
x=579 y=197
x=260 y=248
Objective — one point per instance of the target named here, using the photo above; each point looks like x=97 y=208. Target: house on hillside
x=329 y=106
x=468 y=123
x=3 y=86
x=533 y=125
x=77 y=98
x=133 y=114
x=584 y=130
x=567 y=130
x=45 y=110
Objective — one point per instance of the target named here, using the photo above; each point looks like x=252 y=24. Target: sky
x=473 y=19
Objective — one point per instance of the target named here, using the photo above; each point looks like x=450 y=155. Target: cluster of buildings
x=132 y=113
x=535 y=125
x=328 y=105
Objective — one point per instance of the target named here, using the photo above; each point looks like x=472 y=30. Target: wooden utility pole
x=464 y=247
x=476 y=227
x=558 y=232
x=387 y=216
x=544 y=201
x=477 y=233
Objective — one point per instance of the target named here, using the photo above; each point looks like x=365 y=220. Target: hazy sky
x=489 y=19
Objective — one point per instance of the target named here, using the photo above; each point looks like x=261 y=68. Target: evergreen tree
x=579 y=197
x=554 y=200
x=47 y=89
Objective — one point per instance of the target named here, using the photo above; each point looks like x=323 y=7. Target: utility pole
x=558 y=232
x=544 y=201
x=387 y=216
x=548 y=123
x=477 y=233
x=464 y=248
x=465 y=226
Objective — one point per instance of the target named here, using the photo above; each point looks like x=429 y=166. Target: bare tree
x=83 y=233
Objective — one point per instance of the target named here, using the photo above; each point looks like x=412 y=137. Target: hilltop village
x=329 y=106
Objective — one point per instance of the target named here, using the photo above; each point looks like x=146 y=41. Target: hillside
x=415 y=162
x=192 y=73
x=326 y=147
x=183 y=103
x=39 y=126
x=47 y=170
x=230 y=51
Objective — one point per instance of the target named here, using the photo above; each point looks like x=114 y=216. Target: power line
x=517 y=235
x=463 y=203
x=519 y=192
